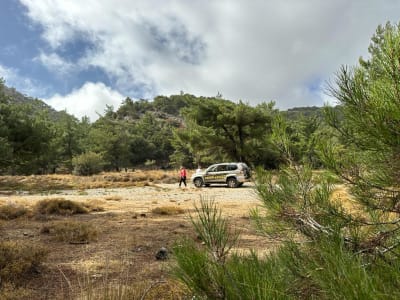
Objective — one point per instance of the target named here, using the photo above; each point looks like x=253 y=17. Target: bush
x=87 y=164
x=59 y=206
x=167 y=210
x=203 y=270
x=9 y=291
x=72 y=232
x=12 y=211
x=18 y=261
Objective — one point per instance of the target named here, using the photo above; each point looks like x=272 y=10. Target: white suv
x=232 y=174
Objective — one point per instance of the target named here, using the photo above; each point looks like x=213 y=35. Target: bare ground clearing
x=129 y=236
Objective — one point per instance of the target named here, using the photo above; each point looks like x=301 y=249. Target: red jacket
x=182 y=172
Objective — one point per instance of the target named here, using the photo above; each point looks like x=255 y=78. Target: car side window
x=213 y=169
x=221 y=168
x=231 y=167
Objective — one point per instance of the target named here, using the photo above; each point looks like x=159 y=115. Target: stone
x=162 y=254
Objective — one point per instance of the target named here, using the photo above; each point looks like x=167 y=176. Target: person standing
x=182 y=175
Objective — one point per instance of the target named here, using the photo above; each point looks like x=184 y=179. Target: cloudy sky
x=80 y=55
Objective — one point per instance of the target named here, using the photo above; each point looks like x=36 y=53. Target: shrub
x=9 y=291
x=167 y=210
x=60 y=206
x=87 y=164
x=19 y=260
x=72 y=232
x=12 y=211
x=204 y=270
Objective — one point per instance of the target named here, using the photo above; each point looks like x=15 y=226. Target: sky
x=83 y=55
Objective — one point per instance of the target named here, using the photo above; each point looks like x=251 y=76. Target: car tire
x=232 y=182
x=198 y=182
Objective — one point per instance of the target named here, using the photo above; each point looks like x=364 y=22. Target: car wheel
x=232 y=182
x=198 y=182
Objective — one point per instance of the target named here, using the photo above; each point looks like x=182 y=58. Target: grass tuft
x=60 y=206
x=9 y=291
x=167 y=210
x=18 y=261
x=12 y=211
x=71 y=232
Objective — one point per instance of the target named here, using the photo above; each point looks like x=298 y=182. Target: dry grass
x=12 y=211
x=55 y=182
x=121 y=255
x=341 y=195
x=9 y=291
x=19 y=260
x=113 y=198
x=167 y=210
x=72 y=232
x=59 y=206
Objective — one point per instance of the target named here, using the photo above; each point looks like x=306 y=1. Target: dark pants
x=183 y=179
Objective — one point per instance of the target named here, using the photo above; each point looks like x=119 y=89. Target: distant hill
x=161 y=107
x=36 y=104
x=308 y=111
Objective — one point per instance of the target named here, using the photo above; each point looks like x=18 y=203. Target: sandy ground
x=130 y=234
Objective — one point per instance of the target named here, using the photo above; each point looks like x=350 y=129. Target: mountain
x=37 y=105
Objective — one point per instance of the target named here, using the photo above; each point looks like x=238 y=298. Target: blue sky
x=82 y=55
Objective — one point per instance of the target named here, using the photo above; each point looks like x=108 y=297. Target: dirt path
x=143 y=199
x=130 y=233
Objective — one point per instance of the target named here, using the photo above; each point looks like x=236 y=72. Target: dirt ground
x=129 y=236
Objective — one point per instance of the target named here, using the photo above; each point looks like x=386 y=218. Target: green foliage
x=329 y=252
x=203 y=270
x=213 y=229
x=365 y=149
x=218 y=129
x=88 y=163
x=68 y=141
x=110 y=137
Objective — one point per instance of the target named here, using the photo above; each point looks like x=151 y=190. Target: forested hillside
x=161 y=133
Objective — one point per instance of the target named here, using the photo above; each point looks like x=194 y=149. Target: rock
x=162 y=254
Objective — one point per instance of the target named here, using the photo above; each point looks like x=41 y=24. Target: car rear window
x=231 y=167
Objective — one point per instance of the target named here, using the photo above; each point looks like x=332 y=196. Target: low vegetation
x=12 y=211
x=73 y=232
x=19 y=261
x=60 y=206
x=51 y=184
x=167 y=210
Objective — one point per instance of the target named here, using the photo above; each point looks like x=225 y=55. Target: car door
x=220 y=174
x=211 y=175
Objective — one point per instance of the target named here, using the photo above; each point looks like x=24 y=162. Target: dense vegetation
x=167 y=131
x=331 y=248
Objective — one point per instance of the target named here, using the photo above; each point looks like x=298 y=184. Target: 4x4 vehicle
x=233 y=174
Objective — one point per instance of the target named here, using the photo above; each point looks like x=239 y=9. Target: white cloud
x=89 y=100
x=25 y=85
x=251 y=50
x=56 y=63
